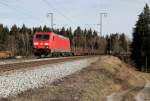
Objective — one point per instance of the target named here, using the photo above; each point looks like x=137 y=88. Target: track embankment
x=108 y=79
x=18 y=81
x=31 y=63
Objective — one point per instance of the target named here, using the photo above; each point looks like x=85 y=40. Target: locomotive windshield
x=41 y=36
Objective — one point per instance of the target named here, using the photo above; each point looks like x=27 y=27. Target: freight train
x=52 y=44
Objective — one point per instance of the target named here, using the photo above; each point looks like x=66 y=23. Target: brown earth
x=94 y=83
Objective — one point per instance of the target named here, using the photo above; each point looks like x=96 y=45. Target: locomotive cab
x=49 y=43
x=41 y=40
x=41 y=43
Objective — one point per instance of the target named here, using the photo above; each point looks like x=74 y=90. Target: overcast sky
x=122 y=14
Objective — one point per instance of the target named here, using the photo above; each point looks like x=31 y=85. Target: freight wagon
x=6 y=54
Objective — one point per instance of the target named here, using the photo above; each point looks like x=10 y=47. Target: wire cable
x=50 y=5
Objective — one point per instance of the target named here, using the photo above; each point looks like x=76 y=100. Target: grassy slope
x=94 y=83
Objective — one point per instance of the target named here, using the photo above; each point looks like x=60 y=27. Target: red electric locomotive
x=49 y=43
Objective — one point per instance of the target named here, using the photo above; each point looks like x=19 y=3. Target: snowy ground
x=16 y=82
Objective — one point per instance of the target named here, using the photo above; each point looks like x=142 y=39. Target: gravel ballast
x=13 y=61
x=19 y=81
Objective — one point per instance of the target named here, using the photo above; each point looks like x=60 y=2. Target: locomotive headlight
x=36 y=43
x=46 y=44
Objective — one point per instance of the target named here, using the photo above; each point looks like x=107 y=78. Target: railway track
x=18 y=81
x=36 y=62
x=13 y=61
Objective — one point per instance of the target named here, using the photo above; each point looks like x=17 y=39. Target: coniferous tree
x=117 y=44
x=88 y=38
x=47 y=29
x=1 y=34
x=76 y=37
x=63 y=31
x=140 y=47
x=123 y=43
x=69 y=33
x=14 y=30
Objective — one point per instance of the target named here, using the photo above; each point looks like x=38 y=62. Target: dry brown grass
x=94 y=83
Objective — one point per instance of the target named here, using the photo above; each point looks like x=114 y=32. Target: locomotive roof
x=52 y=33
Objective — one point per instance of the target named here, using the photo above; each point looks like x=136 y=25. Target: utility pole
x=101 y=22
x=52 y=19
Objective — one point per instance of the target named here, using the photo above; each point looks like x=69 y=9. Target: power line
x=50 y=5
x=31 y=11
x=90 y=26
x=23 y=10
x=61 y=6
x=11 y=7
x=67 y=18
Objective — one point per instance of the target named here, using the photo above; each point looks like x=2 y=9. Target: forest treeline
x=19 y=39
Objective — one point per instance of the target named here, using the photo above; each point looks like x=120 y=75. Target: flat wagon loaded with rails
x=6 y=54
x=52 y=44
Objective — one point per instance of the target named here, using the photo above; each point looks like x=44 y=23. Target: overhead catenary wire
x=60 y=13
x=66 y=17
x=14 y=8
x=33 y=10
x=68 y=11
x=20 y=10
x=23 y=10
x=28 y=13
